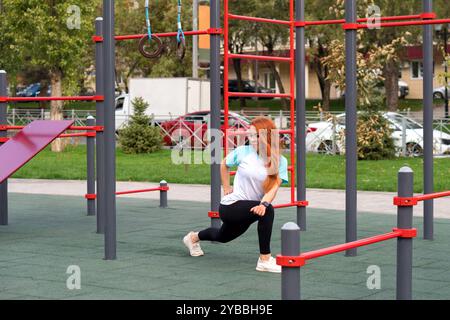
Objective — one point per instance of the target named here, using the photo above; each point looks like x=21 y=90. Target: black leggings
x=237 y=218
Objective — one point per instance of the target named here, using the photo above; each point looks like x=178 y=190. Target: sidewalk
x=374 y=202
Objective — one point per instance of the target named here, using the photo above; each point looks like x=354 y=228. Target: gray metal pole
x=195 y=39
x=163 y=195
x=90 y=146
x=428 y=165
x=300 y=105
x=216 y=144
x=290 y=277
x=3 y=121
x=110 y=138
x=100 y=114
x=404 y=245
x=351 y=99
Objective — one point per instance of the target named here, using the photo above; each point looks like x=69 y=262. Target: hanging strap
x=147 y=18
x=180 y=33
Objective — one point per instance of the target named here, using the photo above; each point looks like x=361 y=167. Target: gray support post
x=290 y=247
x=100 y=114
x=163 y=194
x=216 y=144
x=300 y=66
x=90 y=146
x=3 y=121
x=351 y=100
x=110 y=136
x=428 y=165
x=404 y=245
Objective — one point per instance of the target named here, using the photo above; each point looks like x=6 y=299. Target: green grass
x=323 y=172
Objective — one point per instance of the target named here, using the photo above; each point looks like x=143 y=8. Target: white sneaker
x=194 y=248
x=268 y=266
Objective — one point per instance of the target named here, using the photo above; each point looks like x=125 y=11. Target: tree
x=138 y=136
x=54 y=36
x=319 y=39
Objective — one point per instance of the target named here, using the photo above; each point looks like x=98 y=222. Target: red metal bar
x=74 y=98
x=74 y=128
x=256 y=57
x=432 y=196
x=163 y=35
x=258 y=95
x=361 y=20
x=404 y=23
x=351 y=245
x=293 y=204
x=142 y=191
x=255 y=19
x=292 y=96
x=3 y=140
x=80 y=134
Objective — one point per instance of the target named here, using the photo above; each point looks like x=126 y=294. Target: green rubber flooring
x=47 y=234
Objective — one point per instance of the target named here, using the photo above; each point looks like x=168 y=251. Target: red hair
x=265 y=128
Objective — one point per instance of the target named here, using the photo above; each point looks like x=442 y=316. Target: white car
x=321 y=136
x=439 y=93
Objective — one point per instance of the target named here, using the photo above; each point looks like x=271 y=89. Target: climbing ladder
x=291 y=95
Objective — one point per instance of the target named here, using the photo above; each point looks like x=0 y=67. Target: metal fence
x=327 y=139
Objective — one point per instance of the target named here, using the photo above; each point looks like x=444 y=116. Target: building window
x=269 y=80
x=417 y=70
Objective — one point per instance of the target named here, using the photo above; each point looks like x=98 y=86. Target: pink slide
x=31 y=140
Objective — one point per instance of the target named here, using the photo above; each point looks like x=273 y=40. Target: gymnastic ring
x=181 y=48
x=154 y=54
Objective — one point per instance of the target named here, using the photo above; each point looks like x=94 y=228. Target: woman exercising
x=261 y=171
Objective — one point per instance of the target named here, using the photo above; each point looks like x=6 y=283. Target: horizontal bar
x=290 y=168
x=293 y=204
x=259 y=95
x=73 y=128
x=31 y=99
x=361 y=20
x=162 y=35
x=404 y=24
x=350 y=245
x=255 y=19
x=432 y=196
x=142 y=191
x=80 y=134
x=256 y=57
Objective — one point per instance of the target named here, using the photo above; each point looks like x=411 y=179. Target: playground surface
x=47 y=234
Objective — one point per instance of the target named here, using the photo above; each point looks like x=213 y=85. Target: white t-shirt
x=250 y=175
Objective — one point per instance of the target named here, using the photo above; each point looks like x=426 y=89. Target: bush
x=138 y=136
x=375 y=140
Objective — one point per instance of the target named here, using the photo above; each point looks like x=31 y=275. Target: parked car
x=321 y=136
x=248 y=86
x=173 y=129
x=33 y=90
x=403 y=89
x=439 y=93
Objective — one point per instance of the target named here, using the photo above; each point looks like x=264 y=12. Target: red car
x=194 y=126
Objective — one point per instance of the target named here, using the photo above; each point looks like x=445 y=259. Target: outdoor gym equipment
x=150 y=37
